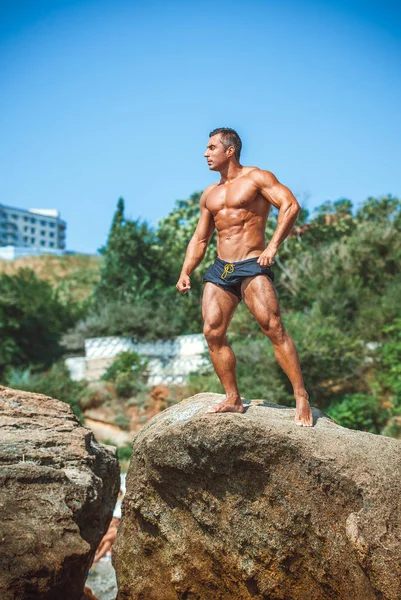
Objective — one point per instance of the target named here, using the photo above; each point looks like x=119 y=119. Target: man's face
x=215 y=154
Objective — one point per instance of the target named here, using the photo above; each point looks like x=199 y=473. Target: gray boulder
x=252 y=506
x=58 y=487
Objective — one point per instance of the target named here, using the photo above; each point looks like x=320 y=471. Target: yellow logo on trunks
x=228 y=269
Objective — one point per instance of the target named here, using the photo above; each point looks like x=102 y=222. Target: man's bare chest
x=239 y=194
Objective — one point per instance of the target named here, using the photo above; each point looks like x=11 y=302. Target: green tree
x=132 y=269
x=380 y=210
x=135 y=296
x=32 y=321
x=129 y=372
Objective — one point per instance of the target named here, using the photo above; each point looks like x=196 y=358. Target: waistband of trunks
x=240 y=262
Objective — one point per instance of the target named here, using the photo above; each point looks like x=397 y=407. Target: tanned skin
x=238 y=207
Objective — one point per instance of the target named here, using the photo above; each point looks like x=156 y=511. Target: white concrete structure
x=32 y=231
x=169 y=362
x=106 y=347
x=76 y=367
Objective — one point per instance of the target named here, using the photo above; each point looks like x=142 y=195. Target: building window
x=51 y=224
x=43 y=232
x=32 y=240
x=25 y=218
x=14 y=216
x=51 y=244
x=33 y=220
x=32 y=229
x=42 y=243
x=43 y=222
x=25 y=228
x=25 y=238
x=51 y=234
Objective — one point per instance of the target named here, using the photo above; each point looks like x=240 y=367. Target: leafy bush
x=122 y=421
x=136 y=401
x=147 y=320
x=128 y=372
x=124 y=452
x=360 y=411
x=329 y=356
x=128 y=362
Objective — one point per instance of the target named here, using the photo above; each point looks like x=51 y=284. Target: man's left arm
x=283 y=199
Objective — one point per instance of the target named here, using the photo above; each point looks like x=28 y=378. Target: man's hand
x=267 y=256
x=183 y=284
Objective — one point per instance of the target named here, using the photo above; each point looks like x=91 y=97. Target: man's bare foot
x=303 y=413
x=229 y=404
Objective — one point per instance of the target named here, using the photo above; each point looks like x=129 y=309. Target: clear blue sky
x=101 y=99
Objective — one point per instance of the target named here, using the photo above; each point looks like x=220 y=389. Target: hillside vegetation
x=73 y=275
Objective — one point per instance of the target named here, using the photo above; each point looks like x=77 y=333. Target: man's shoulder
x=209 y=188
x=260 y=176
x=248 y=169
x=206 y=193
x=257 y=172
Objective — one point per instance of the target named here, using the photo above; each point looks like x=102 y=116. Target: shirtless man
x=238 y=207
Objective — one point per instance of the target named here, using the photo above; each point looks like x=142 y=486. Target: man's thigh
x=218 y=306
x=260 y=297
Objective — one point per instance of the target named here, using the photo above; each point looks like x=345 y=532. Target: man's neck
x=230 y=172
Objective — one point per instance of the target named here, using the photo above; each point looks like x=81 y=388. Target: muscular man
x=238 y=207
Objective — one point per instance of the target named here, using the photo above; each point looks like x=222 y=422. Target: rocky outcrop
x=58 y=487
x=251 y=506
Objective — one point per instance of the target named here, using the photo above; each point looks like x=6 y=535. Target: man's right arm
x=196 y=249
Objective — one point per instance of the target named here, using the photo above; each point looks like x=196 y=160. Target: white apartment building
x=32 y=231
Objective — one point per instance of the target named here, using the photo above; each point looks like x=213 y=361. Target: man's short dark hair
x=229 y=137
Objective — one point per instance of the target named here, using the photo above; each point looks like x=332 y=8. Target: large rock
x=58 y=487
x=229 y=506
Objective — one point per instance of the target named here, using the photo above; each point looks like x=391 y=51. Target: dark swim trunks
x=230 y=276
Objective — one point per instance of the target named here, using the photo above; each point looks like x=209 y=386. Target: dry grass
x=74 y=275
